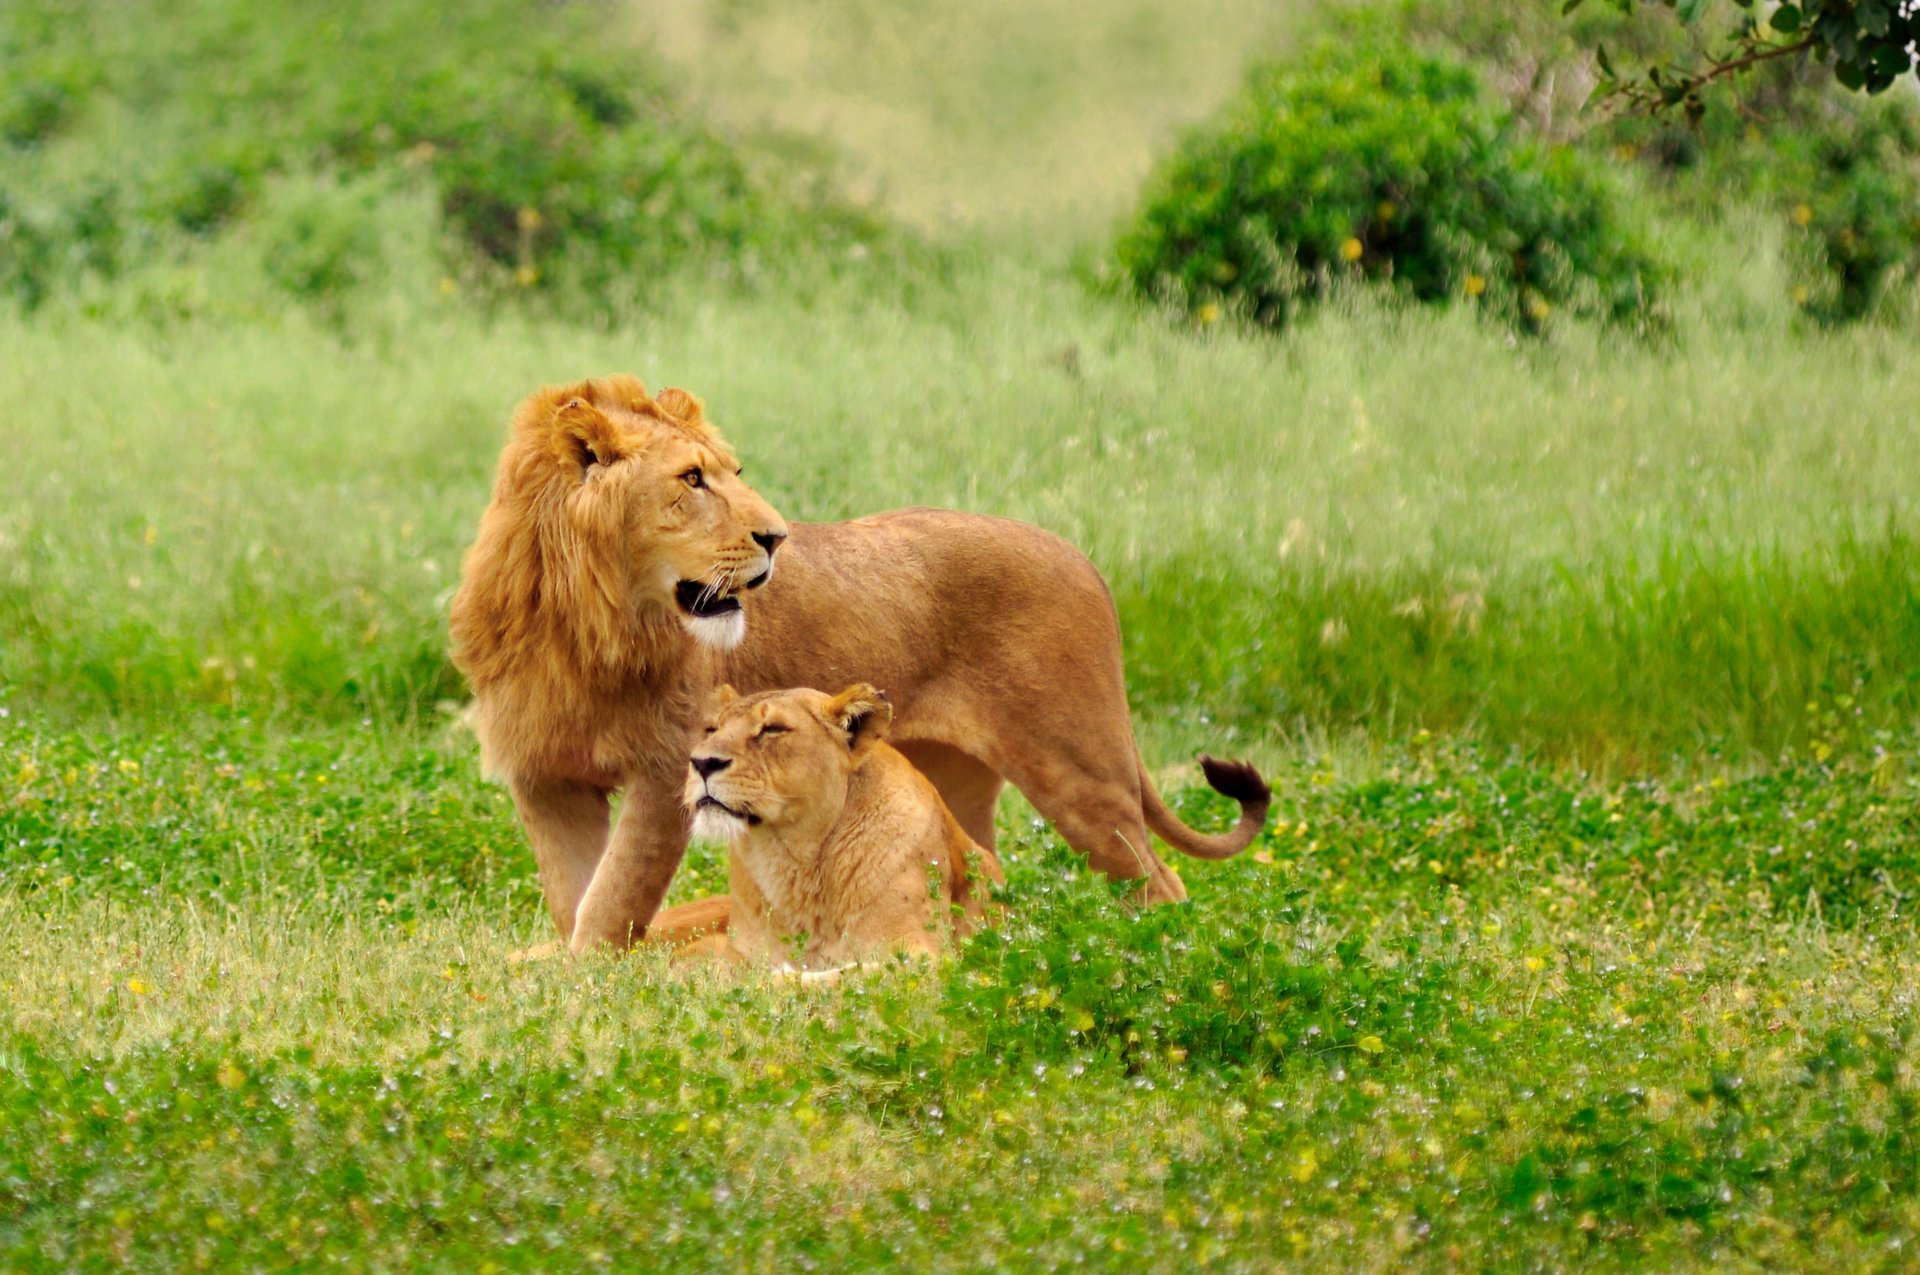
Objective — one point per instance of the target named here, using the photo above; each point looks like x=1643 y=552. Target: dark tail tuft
x=1238 y=780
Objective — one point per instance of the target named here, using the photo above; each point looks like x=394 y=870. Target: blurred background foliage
x=578 y=151
x=516 y=147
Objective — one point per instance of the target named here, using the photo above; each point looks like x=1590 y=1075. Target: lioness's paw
x=538 y=952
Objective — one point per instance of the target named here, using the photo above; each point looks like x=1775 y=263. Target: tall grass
x=1594 y=544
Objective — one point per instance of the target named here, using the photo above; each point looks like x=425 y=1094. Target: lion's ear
x=585 y=435
x=682 y=406
x=863 y=713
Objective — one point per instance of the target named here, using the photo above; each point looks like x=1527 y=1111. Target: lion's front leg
x=646 y=848
x=567 y=824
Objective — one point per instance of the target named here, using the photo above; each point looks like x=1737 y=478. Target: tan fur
x=996 y=642
x=839 y=850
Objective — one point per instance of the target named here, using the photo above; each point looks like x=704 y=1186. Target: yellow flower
x=1801 y=215
x=1372 y=1045
x=1386 y=210
x=1538 y=308
x=526 y=276
x=447 y=285
x=139 y=986
x=1304 y=1167
x=1351 y=250
x=1475 y=285
x=1208 y=313
x=230 y=1076
x=528 y=219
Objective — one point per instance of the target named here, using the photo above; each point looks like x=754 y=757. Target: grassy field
x=1585 y=668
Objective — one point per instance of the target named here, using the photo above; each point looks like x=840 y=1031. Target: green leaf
x=1606 y=63
x=1785 y=19
x=1570 y=6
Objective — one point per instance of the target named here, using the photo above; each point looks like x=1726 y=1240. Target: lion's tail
x=1235 y=779
x=687 y=922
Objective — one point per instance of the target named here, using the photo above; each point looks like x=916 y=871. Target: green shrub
x=321 y=238
x=1844 y=171
x=31 y=111
x=1370 y=162
x=1856 y=207
x=26 y=254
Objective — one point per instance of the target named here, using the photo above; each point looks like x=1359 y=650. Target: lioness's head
x=614 y=503
x=780 y=758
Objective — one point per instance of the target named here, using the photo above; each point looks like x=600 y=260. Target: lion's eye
x=694 y=478
x=772 y=728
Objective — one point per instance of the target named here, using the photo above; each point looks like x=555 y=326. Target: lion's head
x=617 y=518
x=780 y=758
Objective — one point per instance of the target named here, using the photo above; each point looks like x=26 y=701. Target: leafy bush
x=31 y=111
x=1852 y=189
x=25 y=254
x=1371 y=162
x=322 y=238
x=1843 y=170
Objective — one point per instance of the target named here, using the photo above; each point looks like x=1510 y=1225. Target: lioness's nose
x=708 y=766
x=769 y=540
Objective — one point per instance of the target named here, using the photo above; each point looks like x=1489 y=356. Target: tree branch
x=1762 y=55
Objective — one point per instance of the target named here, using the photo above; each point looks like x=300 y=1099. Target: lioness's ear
x=681 y=405
x=862 y=712
x=585 y=435
x=720 y=698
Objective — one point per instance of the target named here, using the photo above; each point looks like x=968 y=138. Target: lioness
x=838 y=849
x=615 y=582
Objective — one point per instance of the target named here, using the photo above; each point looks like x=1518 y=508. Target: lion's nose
x=706 y=767
x=769 y=540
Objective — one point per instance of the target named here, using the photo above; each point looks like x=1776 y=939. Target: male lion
x=838 y=849
x=607 y=594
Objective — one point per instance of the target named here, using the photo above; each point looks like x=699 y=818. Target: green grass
x=1585 y=669
x=1470 y=1011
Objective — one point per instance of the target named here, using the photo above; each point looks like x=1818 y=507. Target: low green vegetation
x=1461 y=1010
x=1584 y=664
x=552 y=160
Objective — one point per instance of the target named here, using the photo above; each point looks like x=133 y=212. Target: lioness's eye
x=694 y=478
x=708 y=730
x=773 y=728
